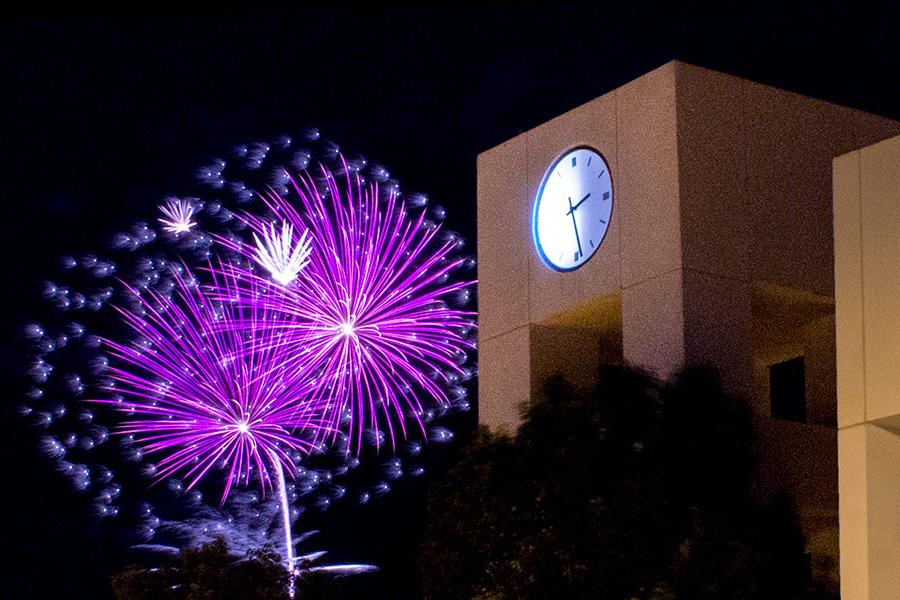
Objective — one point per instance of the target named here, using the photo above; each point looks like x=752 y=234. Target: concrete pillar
x=867 y=299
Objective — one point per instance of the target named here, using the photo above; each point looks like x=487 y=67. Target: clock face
x=572 y=209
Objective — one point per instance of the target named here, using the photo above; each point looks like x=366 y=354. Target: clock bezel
x=539 y=196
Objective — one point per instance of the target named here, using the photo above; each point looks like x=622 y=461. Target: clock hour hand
x=575 y=223
x=580 y=202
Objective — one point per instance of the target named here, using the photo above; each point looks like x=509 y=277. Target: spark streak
x=178 y=215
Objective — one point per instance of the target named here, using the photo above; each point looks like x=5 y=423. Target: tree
x=639 y=490
x=210 y=572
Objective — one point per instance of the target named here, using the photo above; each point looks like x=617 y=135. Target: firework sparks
x=204 y=386
x=370 y=315
x=292 y=343
x=278 y=253
x=178 y=215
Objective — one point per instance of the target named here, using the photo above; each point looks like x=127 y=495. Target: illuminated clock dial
x=572 y=209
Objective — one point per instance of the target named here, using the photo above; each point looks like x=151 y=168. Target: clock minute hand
x=575 y=223
x=580 y=202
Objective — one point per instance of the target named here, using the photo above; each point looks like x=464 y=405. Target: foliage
x=639 y=490
x=210 y=572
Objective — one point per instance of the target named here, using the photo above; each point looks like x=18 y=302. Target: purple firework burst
x=324 y=321
x=206 y=383
x=367 y=313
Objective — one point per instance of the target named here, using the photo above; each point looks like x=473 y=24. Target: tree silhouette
x=641 y=489
x=210 y=572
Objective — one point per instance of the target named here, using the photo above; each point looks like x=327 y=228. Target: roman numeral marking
x=606 y=195
x=574 y=158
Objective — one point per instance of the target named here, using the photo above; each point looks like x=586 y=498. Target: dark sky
x=101 y=117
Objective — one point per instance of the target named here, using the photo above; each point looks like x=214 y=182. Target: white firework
x=278 y=253
x=178 y=215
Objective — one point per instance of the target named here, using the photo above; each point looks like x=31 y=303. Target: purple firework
x=323 y=321
x=367 y=312
x=206 y=383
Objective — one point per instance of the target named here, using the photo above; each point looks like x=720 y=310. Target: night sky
x=103 y=116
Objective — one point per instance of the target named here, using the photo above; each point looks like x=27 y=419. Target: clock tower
x=714 y=247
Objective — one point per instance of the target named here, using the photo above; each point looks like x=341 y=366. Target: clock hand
x=575 y=223
x=571 y=208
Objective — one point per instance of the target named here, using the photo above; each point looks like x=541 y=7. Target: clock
x=572 y=209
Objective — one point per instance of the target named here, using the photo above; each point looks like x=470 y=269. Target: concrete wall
x=755 y=210
x=756 y=225
x=867 y=298
x=720 y=251
x=519 y=298
x=720 y=184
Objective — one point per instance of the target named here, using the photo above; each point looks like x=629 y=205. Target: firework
x=178 y=216
x=370 y=317
x=205 y=383
x=257 y=515
x=287 y=318
x=280 y=255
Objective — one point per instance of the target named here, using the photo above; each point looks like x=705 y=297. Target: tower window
x=787 y=385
